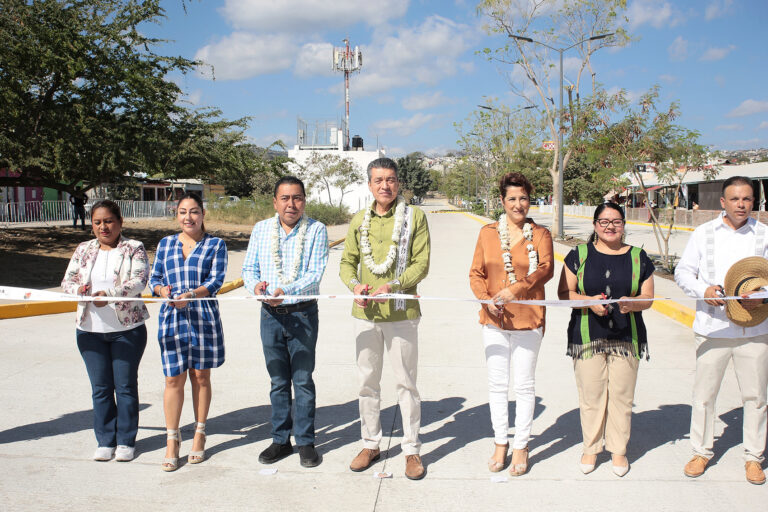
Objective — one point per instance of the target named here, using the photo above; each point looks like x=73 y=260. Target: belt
x=289 y=308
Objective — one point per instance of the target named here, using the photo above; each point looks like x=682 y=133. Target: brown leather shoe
x=364 y=459
x=755 y=474
x=414 y=470
x=695 y=466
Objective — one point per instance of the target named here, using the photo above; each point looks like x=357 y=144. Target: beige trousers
x=750 y=363
x=401 y=341
x=606 y=386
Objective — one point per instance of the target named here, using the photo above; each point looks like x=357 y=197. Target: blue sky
x=271 y=61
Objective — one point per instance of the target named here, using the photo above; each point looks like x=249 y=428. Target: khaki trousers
x=606 y=386
x=401 y=341
x=750 y=363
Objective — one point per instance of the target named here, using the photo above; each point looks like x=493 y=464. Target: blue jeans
x=112 y=361
x=289 y=350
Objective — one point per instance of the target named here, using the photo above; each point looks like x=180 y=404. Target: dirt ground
x=38 y=257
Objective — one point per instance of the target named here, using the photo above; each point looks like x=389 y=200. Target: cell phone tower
x=347 y=60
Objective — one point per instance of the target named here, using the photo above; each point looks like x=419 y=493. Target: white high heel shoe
x=196 y=457
x=172 y=463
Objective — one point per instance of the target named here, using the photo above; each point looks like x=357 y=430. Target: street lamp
x=559 y=191
x=507 y=114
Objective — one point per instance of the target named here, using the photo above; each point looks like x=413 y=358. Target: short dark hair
x=288 y=180
x=737 y=180
x=514 y=179
x=112 y=206
x=381 y=163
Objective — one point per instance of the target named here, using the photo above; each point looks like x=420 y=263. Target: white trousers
x=522 y=348
x=401 y=341
x=750 y=363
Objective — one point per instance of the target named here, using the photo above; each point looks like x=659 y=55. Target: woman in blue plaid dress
x=189 y=265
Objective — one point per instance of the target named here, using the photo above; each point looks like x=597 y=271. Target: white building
x=327 y=137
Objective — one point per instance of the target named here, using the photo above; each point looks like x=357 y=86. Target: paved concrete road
x=46 y=437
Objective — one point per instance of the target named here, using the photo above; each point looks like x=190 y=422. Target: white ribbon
x=29 y=294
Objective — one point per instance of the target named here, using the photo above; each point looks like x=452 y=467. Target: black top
x=610 y=274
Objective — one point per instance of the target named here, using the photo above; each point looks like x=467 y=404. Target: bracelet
x=194 y=295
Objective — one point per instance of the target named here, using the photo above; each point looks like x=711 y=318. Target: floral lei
x=533 y=258
x=365 y=245
x=301 y=236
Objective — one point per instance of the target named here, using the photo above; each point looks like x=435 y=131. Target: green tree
x=330 y=172
x=413 y=175
x=535 y=71
x=646 y=133
x=84 y=97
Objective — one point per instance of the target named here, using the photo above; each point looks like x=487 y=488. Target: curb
x=671 y=309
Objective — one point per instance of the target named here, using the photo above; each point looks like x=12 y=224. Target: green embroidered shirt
x=380 y=237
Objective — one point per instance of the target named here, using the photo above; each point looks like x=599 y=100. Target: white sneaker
x=124 y=453
x=103 y=453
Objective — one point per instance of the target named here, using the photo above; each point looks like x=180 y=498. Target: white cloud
x=657 y=13
x=314 y=59
x=749 y=107
x=309 y=15
x=402 y=127
x=729 y=127
x=668 y=78
x=713 y=54
x=195 y=96
x=424 y=54
x=243 y=55
x=678 y=50
x=716 y=9
x=264 y=141
x=742 y=144
x=763 y=125
x=424 y=101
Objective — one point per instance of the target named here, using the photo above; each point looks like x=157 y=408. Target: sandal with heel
x=522 y=468
x=172 y=463
x=495 y=466
x=196 y=457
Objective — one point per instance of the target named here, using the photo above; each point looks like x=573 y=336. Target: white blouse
x=102 y=278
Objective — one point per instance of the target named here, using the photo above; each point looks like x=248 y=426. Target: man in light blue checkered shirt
x=286 y=256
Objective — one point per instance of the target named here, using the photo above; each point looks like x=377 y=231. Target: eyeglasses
x=603 y=223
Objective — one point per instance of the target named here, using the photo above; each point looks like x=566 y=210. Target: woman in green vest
x=607 y=341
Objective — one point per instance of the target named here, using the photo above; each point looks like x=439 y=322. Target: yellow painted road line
x=673 y=310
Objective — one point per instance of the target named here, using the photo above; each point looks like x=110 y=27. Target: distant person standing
x=78 y=200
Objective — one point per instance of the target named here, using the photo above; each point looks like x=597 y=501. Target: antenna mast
x=347 y=60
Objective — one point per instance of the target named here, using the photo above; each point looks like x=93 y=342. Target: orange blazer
x=487 y=277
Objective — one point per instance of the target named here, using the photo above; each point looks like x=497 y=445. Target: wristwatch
x=194 y=295
x=394 y=285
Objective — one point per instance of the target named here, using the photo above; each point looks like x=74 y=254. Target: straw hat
x=745 y=276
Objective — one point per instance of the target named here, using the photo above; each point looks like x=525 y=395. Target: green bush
x=327 y=214
x=251 y=211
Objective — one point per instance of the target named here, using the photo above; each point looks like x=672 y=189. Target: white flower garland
x=365 y=245
x=301 y=236
x=533 y=258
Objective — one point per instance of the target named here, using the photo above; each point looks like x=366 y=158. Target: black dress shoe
x=275 y=452
x=308 y=456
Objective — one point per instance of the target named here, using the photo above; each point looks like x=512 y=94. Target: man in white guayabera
x=286 y=256
x=712 y=249
x=387 y=251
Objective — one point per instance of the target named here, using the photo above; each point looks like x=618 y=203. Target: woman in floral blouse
x=188 y=265
x=111 y=336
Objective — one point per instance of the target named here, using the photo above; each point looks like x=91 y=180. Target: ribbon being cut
x=29 y=294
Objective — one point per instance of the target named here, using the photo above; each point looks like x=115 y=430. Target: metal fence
x=56 y=211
